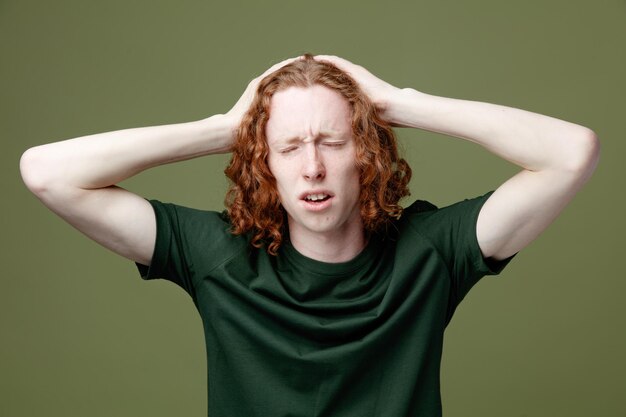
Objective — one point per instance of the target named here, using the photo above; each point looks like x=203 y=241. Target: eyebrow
x=295 y=139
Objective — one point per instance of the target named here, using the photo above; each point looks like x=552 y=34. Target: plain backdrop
x=80 y=332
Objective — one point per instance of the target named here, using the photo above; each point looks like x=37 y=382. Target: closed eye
x=289 y=149
x=334 y=144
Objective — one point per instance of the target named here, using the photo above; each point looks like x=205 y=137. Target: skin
x=556 y=157
x=312 y=151
x=76 y=178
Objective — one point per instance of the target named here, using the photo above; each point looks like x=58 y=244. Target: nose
x=312 y=166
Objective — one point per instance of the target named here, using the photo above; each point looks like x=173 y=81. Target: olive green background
x=82 y=335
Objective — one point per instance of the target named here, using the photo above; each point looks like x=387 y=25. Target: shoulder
x=418 y=207
x=188 y=216
x=193 y=225
x=425 y=217
x=186 y=212
x=424 y=208
x=198 y=237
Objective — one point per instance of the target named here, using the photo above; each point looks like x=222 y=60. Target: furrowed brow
x=298 y=139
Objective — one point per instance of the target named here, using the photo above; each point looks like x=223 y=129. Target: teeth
x=315 y=197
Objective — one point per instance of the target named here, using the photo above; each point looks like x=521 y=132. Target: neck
x=332 y=247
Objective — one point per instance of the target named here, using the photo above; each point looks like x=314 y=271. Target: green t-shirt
x=288 y=335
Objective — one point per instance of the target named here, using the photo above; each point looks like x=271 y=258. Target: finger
x=278 y=66
x=341 y=63
x=329 y=58
x=255 y=81
x=338 y=61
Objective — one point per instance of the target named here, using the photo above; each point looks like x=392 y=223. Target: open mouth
x=316 y=198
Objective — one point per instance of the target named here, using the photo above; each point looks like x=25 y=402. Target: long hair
x=252 y=200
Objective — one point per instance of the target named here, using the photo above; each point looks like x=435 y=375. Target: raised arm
x=557 y=157
x=76 y=178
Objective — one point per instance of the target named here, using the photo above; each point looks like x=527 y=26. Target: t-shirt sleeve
x=452 y=229
x=468 y=260
x=170 y=259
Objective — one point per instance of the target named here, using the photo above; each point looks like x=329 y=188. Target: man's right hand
x=236 y=113
x=76 y=178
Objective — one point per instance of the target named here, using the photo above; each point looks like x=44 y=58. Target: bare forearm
x=530 y=140
x=104 y=159
x=557 y=157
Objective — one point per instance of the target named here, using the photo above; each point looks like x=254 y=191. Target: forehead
x=306 y=113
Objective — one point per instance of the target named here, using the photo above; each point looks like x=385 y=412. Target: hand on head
x=235 y=114
x=378 y=91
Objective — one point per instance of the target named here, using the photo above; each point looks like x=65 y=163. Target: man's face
x=312 y=157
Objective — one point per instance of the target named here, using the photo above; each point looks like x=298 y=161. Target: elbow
x=586 y=155
x=33 y=171
x=591 y=151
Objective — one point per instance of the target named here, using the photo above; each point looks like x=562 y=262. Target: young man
x=319 y=294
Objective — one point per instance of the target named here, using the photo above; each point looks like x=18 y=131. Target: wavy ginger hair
x=252 y=200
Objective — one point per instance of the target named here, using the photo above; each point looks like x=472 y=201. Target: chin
x=313 y=226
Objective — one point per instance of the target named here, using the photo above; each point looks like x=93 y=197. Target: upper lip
x=326 y=192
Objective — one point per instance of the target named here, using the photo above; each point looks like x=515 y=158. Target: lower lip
x=311 y=206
